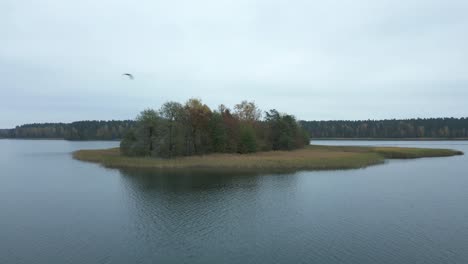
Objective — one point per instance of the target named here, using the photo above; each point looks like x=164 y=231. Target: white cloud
x=318 y=60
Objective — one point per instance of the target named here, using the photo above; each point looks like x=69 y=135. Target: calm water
x=54 y=209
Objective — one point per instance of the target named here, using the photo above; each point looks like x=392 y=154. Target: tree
x=173 y=112
x=285 y=134
x=247 y=111
x=199 y=116
x=148 y=121
x=218 y=132
x=247 y=143
x=231 y=124
x=131 y=145
x=193 y=129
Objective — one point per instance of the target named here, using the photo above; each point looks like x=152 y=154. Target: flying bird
x=130 y=76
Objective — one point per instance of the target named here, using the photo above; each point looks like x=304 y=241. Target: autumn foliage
x=194 y=129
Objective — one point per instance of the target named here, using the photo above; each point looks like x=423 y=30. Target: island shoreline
x=313 y=157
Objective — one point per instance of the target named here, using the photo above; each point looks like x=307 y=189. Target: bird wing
x=129 y=75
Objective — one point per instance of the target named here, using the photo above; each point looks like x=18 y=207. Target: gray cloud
x=62 y=60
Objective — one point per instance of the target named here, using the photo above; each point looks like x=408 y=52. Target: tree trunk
x=151 y=140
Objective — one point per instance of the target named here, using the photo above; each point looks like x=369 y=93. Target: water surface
x=54 y=209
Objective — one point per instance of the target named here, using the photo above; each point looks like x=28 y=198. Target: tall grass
x=308 y=158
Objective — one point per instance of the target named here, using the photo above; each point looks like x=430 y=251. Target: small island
x=192 y=136
x=312 y=157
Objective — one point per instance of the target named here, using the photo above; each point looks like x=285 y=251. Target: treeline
x=114 y=130
x=193 y=129
x=406 y=128
x=6 y=133
x=81 y=130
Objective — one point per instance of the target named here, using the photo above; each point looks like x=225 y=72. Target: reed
x=312 y=157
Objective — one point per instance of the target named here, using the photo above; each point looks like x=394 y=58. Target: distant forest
x=406 y=128
x=82 y=130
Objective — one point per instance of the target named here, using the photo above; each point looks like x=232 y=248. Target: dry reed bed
x=310 y=158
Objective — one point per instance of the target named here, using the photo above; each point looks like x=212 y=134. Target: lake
x=54 y=209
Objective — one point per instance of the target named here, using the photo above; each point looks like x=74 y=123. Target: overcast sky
x=350 y=59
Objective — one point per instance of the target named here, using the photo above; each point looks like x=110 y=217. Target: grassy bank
x=309 y=158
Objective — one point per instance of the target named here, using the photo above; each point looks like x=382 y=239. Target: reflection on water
x=58 y=210
x=183 y=180
x=187 y=181
x=196 y=211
